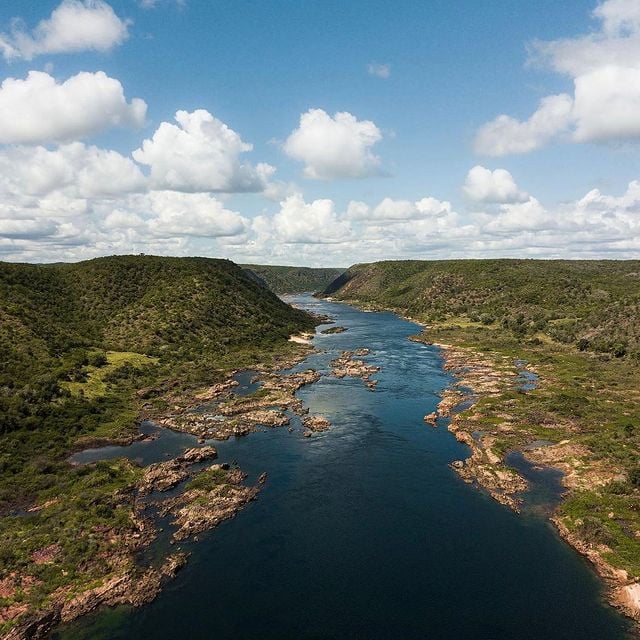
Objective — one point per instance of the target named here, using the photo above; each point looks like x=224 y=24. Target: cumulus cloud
x=605 y=69
x=506 y=135
x=314 y=223
x=379 y=70
x=616 y=42
x=78 y=170
x=192 y=214
x=74 y=26
x=38 y=109
x=486 y=186
x=317 y=231
x=337 y=146
x=391 y=211
x=200 y=153
x=607 y=104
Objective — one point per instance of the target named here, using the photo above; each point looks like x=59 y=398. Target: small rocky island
x=332 y=330
x=347 y=365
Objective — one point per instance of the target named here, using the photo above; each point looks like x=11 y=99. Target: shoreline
x=620 y=592
x=212 y=493
x=476 y=377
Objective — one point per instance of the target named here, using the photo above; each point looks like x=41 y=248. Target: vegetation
x=577 y=324
x=594 y=305
x=294 y=279
x=81 y=347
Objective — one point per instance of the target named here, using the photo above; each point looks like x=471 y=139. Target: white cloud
x=26 y=229
x=616 y=42
x=192 y=214
x=506 y=135
x=89 y=25
x=316 y=232
x=607 y=104
x=379 y=70
x=315 y=222
x=334 y=147
x=38 y=109
x=514 y=218
x=619 y=16
x=605 y=68
x=484 y=185
x=390 y=211
x=201 y=153
x=75 y=169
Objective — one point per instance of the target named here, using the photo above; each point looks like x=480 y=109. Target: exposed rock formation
x=316 y=423
x=347 y=366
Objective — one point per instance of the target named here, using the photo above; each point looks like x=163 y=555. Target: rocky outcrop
x=37 y=626
x=431 y=418
x=346 y=365
x=316 y=423
x=166 y=475
x=624 y=593
x=332 y=330
x=211 y=502
x=216 y=390
x=230 y=415
x=128 y=588
x=476 y=375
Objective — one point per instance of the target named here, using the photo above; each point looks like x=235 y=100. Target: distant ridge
x=284 y=279
x=593 y=302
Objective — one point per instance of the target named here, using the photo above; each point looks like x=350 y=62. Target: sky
x=319 y=133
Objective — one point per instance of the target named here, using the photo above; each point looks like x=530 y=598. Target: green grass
x=95 y=384
x=207 y=479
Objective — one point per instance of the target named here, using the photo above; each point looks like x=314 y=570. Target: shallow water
x=364 y=531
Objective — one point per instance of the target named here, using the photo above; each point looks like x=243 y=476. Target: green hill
x=593 y=303
x=577 y=325
x=294 y=279
x=77 y=340
x=82 y=347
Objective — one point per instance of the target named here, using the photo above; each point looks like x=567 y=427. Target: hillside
x=82 y=347
x=576 y=326
x=192 y=316
x=284 y=280
x=593 y=303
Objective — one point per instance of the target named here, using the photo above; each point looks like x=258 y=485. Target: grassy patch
x=96 y=377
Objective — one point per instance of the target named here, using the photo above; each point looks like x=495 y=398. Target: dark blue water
x=365 y=532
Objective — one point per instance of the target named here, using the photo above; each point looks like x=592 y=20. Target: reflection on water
x=364 y=531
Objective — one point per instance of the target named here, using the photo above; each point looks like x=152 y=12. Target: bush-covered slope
x=142 y=320
x=82 y=348
x=576 y=324
x=180 y=309
x=595 y=304
x=294 y=279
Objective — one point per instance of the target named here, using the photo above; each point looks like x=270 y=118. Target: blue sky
x=450 y=68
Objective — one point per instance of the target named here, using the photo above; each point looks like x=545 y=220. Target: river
x=364 y=531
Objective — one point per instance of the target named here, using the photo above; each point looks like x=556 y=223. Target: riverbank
x=576 y=420
x=491 y=381
x=376 y=473
x=189 y=492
